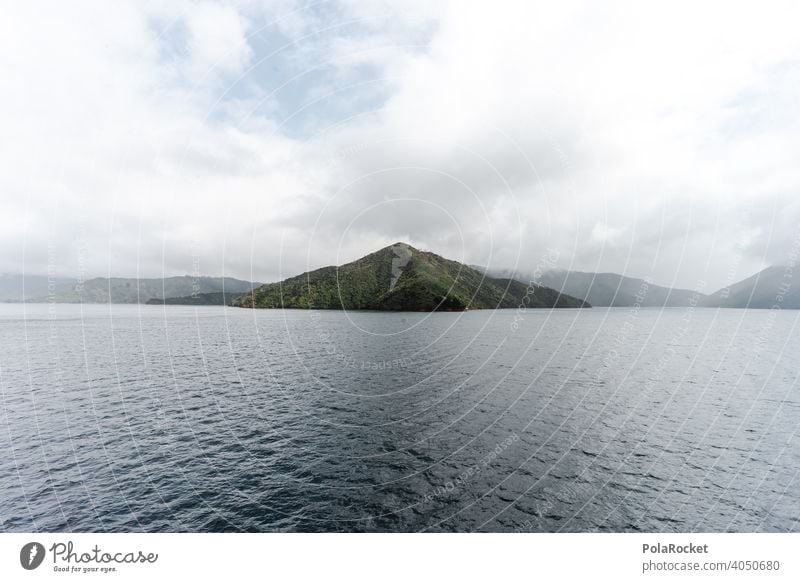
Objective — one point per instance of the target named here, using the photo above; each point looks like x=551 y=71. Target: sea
x=140 y=418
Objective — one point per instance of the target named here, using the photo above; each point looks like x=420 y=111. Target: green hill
x=402 y=278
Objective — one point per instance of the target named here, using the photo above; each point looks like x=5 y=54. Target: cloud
x=263 y=138
x=216 y=42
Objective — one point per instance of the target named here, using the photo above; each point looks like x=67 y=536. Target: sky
x=260 y=139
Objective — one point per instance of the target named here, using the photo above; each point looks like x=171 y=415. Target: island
x=402 y=278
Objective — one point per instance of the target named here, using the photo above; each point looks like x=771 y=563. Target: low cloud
x=264 y=138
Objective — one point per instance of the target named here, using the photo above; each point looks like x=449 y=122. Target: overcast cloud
x=260 y=139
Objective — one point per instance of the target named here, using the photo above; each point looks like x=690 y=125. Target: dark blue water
x=145 y=418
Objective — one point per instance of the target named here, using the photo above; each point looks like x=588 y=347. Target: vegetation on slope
x=402 y=278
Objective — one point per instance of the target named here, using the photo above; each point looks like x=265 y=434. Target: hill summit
x=402 y=278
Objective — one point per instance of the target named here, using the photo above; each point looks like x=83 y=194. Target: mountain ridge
x=127 y=290
x=770 y=288
x=401 y=278
x=615 y=290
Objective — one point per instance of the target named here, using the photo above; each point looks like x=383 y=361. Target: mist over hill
x=16 y=287
x=132 y=290
x=774 y=287
x=613 y=290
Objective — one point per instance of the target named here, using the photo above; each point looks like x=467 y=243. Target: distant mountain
x=14 y=287
x=774 y=286
x=127 y=290
x=771 y=287
x=402 y=278
x=612 y=290
x=198 y=299
x=607 y=289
